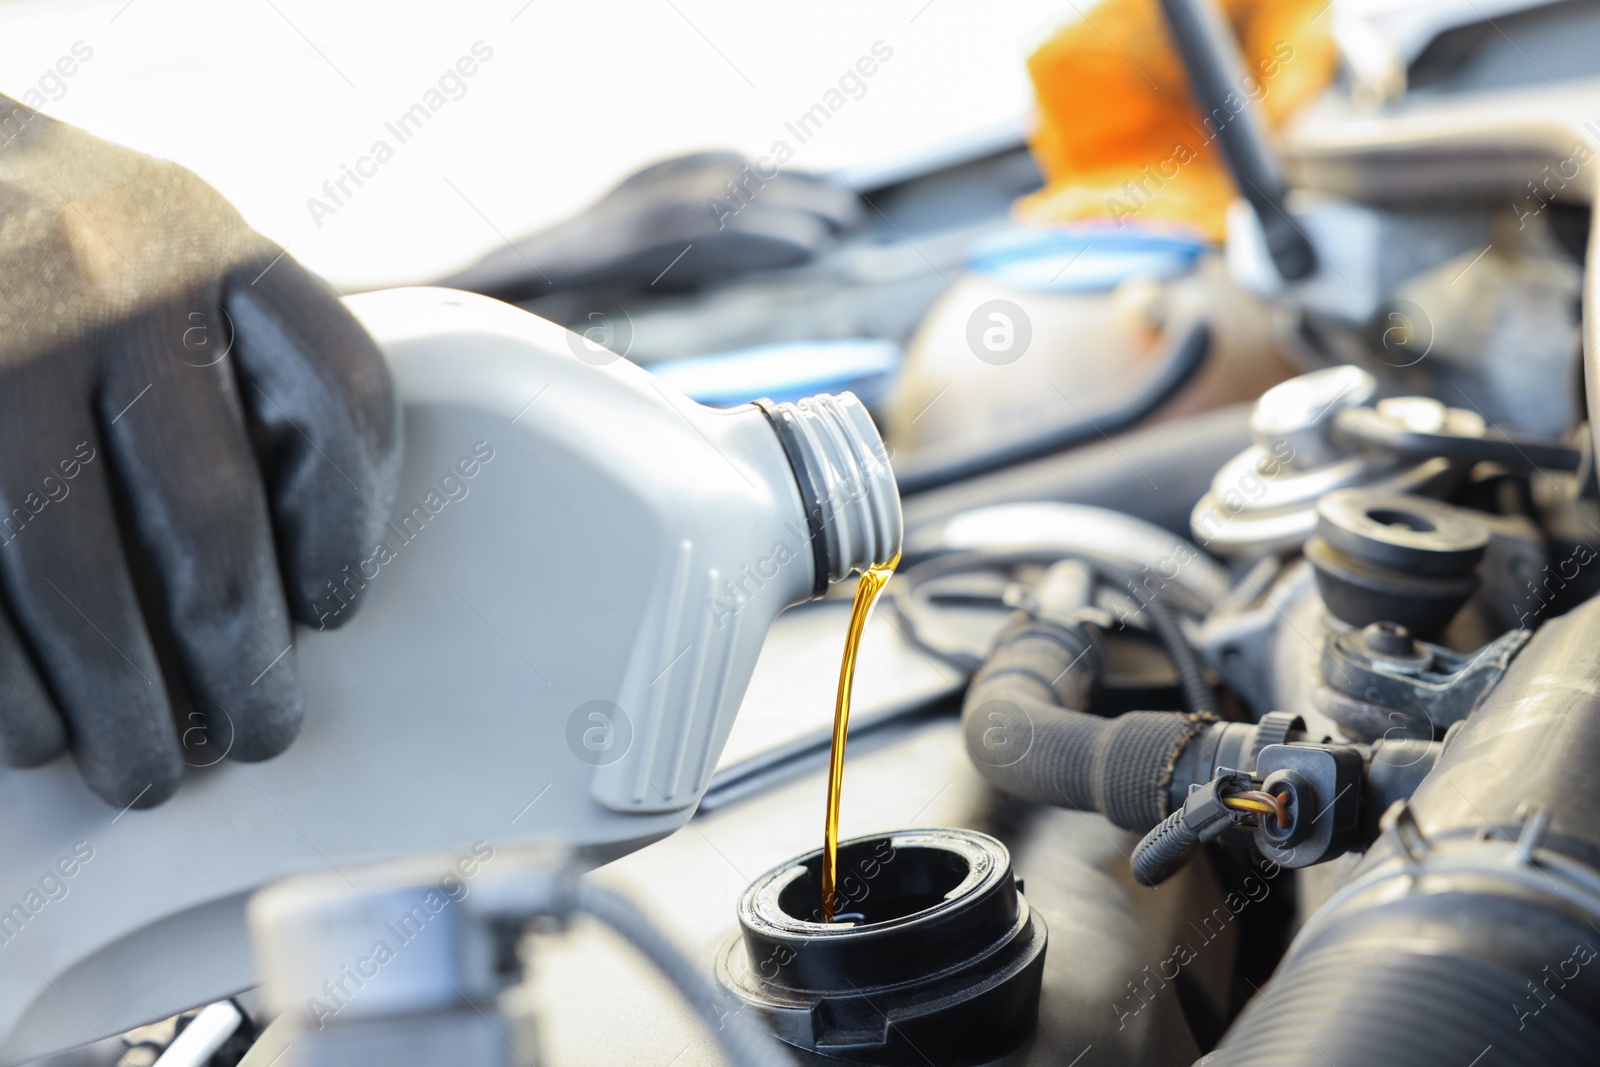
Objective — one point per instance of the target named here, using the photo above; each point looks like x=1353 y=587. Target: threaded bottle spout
x=847 y=487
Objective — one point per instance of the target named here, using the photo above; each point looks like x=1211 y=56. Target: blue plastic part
x=785 y=371
x=1082 y=259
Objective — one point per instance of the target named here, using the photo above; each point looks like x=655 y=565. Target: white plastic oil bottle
x=552 y=646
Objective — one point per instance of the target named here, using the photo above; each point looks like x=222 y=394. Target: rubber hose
x=1423 y=1005
x=1181 y=455
x=1162 y=850
x=1026 y=730
x=935 y=467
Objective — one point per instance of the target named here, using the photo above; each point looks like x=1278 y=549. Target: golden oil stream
x=873 y=579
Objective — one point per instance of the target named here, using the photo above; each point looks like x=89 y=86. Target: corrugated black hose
x=1028 y=730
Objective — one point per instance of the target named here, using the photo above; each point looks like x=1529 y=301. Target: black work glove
x=195 y=438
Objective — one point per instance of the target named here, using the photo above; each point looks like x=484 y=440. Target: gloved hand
x=195 y=439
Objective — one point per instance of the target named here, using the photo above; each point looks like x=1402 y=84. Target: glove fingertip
x=35 y=749
x=270 y=731
x=136 y=786
x=32 y=733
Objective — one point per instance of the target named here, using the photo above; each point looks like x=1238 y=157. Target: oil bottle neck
x=847 y=487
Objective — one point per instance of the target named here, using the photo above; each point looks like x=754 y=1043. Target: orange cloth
x=1119 y=138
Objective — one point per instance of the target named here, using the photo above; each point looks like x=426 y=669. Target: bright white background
x=267 y=99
